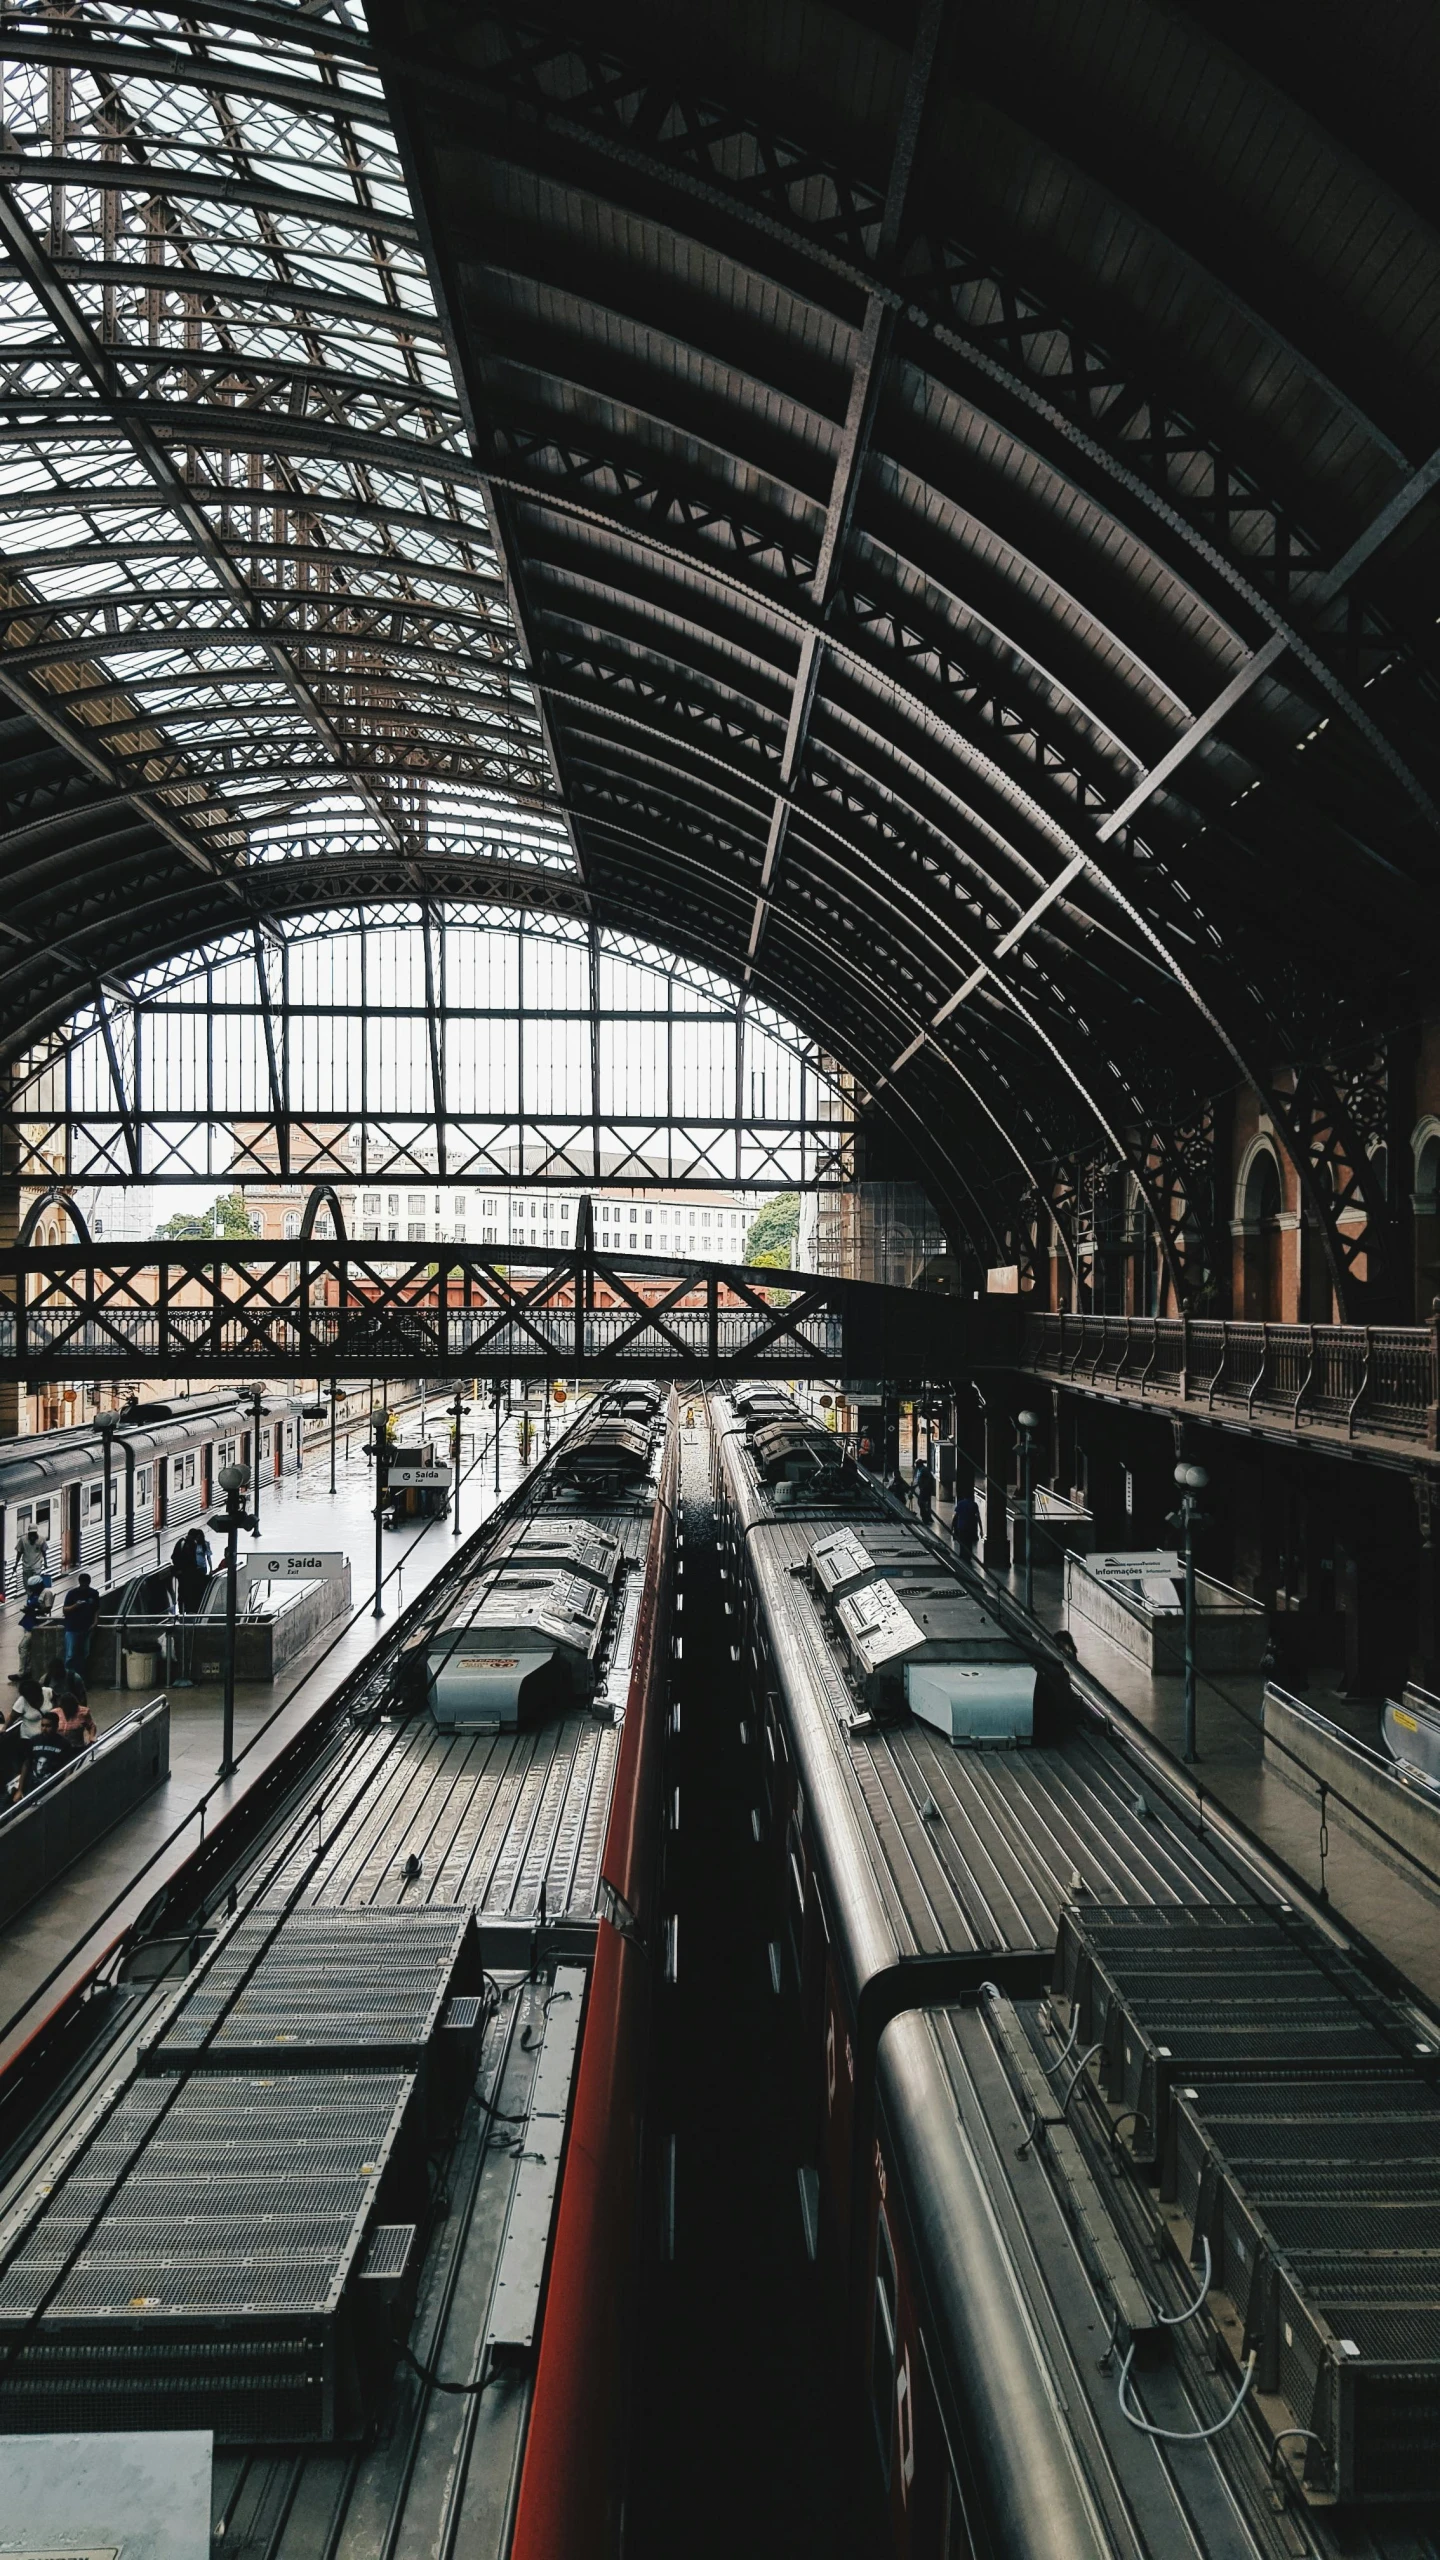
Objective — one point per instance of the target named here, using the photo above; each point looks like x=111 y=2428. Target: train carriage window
x=882 y=2342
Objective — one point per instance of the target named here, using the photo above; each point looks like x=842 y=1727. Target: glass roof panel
x=243 y=544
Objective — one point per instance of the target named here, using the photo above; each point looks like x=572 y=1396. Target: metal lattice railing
x=1362 y=1382
x=319 y=1307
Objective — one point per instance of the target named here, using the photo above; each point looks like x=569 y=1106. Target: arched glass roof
x=248 y=559
x=934 y=515
x=461 y=1043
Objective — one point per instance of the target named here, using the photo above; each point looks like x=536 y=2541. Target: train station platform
x=58 y=1939
x=1370 y=1882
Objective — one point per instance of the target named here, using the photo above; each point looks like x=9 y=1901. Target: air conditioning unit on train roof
x=844 y=1560
x=932 y=1648
x=528 y=1645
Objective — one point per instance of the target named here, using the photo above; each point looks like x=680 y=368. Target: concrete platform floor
x=60 y=1937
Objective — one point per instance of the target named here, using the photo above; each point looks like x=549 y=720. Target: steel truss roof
x=967 y=487
x=440 y=1041
x=247 y=579
x=964 y=495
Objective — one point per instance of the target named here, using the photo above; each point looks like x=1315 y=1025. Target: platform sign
x=413 y=1478
x=293 y=1564
x=1132 y=1564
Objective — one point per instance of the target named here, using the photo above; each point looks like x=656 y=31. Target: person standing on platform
x=73 y=1720
x=965 y=1527
x=79 y=1611
x=922 y=1485
x=32 y=1556
x=12 y=1753
x=34 y=1619
x=193 y=1564
x=30 y=1707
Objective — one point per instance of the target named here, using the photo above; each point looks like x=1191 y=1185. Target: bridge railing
x=1357 y=1382
x=310 y=1307
x=186 y=1333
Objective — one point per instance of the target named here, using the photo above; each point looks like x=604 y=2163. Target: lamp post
x=311 y=1413
x=255 y=1397
x=1029 y=1427
x=1192 y=1481
x=108 y=1423
x=460 y=1408
x=232 y=1482
x=334 y=1409
x=497 y=1431
x=375 y=1451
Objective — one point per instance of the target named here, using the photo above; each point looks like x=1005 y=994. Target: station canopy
x=927 y=513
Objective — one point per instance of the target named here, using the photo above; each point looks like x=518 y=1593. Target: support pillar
x=1427 y=1585
x=999 y=1463
x=1375 y=1633
x=10 y=1215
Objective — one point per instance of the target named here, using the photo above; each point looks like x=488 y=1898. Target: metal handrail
x=93 y=1751
x=1378 y=1382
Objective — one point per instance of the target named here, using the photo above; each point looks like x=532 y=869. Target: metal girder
x=196 y=186
x=55 y=46
x=321 y=1307
x=743 y=614
x=295 y=1067
x=1414 y=488
x=1327 y=1131
x=129 y=1112
x=640 y=493
x=1179 y=1176
x=1087 y=403
x=212 y=368
x=657 y=528
x=850 y=453
x=73 y=324
x=982 y=758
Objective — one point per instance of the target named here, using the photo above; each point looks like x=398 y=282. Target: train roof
x=1250 y=2115
x=493 y=1818
x=1003 y=2246
x=829 y=1495
x=50 y=1458
x=934 y=1852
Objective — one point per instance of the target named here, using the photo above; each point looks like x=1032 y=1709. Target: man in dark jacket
x=46 y=1754
x=193 y=1563
x=77 y=1616
x=965 y=1527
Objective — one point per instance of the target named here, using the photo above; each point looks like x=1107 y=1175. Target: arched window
x=436 y=1038
x=1261 y=1238
x=1426 y=1199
